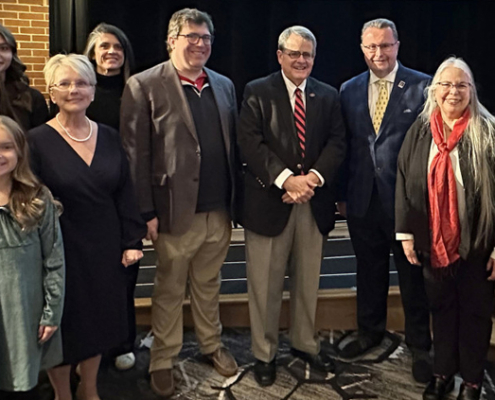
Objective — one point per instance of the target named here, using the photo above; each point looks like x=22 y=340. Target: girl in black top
x=25 y=105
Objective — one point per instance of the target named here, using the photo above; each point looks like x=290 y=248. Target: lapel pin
x=402 y=84
x=311 y=95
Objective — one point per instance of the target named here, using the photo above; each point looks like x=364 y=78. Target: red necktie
x=300 y=119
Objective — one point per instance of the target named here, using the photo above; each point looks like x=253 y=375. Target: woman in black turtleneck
x=111 y=54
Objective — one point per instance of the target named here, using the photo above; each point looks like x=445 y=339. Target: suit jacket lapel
x=312 y=110
x=223 y=107
x=282 y=102
x=398 y=89
x=175 y=92
x=362 y=107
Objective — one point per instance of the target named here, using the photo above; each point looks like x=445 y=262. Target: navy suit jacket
x=373 y=157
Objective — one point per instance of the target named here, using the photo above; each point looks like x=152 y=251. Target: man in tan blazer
x=178 y=126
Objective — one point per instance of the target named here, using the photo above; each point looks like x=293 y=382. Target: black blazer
x=269 y=144
x=411 y=198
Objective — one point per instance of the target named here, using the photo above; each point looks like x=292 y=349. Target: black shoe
x=422 y=369
x=360 y=345
x=467 y=392
x=265 y=373
x=320 y=361
x=438 y=388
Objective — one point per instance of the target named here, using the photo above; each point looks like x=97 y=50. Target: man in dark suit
x=291 y=136
x=178 y=126
x=379 y=106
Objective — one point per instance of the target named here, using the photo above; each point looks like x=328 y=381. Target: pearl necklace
x=72 y=137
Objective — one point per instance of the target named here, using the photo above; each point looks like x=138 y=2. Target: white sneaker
x=125 y=361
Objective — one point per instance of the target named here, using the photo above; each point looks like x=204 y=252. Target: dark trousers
x=461 y=307
x=131 y=279
x=373 y=238
x=29 y=395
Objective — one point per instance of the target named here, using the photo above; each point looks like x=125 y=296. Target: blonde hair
x=479 y=143
x=77 y=62
x=28 y=195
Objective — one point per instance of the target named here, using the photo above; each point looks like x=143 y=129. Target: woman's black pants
x=461 y=304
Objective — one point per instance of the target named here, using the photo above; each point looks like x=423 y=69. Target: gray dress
x=32 y=275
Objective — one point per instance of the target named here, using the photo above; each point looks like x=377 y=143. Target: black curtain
x=247 y=33
x=68 y=26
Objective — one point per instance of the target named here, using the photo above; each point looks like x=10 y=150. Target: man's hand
x=152 y=233
x=45 y=332
x=408 y=246
x=342 y=208
x=299 y=188
x=313 y=178
x=287 y=199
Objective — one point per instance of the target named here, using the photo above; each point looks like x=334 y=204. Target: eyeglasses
x=448 y=86
x=66 y=85
x=193 y=38
x=294 y=55
x=385 y=47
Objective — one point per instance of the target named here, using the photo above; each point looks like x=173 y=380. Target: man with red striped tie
x=291 y=136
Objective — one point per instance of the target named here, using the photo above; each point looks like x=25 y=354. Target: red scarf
x=444 y=214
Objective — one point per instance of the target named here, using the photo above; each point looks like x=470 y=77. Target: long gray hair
x=479 y=143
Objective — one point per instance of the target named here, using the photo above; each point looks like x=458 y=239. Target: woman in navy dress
x=85 y=167
x=110 y=52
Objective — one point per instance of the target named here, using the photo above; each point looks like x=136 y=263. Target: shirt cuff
x=279 y=182
x=322 y=181
x=404 y=236
x=493 y=254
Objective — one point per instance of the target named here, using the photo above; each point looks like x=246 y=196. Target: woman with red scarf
x=445 y=218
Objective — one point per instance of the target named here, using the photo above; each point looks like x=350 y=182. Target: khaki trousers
x=298 y=247
x=194 y=258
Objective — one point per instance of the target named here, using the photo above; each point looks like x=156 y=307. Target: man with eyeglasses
x=379 y=106
x=292 y=137
x=178 y=127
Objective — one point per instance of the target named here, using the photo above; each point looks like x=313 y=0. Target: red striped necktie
x=300 y=119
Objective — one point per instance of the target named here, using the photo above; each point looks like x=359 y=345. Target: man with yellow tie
x=379 y=106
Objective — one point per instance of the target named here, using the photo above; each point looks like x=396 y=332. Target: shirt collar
x=291 y=87
x=200 y=82
x=389 y=78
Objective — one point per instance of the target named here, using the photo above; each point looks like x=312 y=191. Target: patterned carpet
x=382 y=374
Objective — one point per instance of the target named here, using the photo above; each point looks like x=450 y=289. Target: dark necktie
x=300 y=119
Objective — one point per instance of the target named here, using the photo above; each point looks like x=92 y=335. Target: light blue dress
x=32 y=281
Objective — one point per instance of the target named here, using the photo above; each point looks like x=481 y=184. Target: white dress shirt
x=291 y=89
x=374 y=89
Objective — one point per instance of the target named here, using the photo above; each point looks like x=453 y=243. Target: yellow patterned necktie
x=381 y=105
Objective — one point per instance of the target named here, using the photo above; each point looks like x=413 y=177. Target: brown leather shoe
x=162 y=382
x=223 y=361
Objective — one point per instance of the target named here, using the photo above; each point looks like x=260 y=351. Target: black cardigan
x=411 y=195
